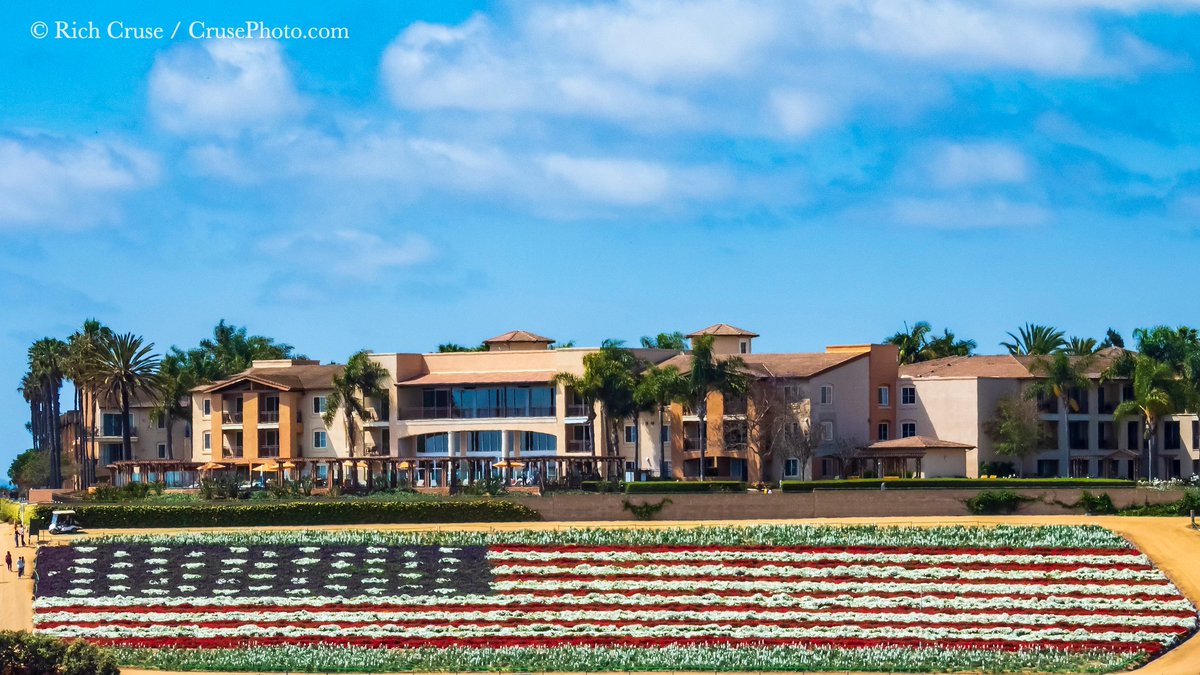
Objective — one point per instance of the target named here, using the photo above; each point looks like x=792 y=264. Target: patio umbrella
x=404 y=466
x=269 y=467
x=288 y=465
x=509 y=464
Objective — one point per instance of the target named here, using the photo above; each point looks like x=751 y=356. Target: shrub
x=1098 y=504
x=28 y=654
x=994 y=501
x=672 y=487
x=958 y=483
x=493 y=486
x=602 y=486
x=248 y=514
x=1181 y=507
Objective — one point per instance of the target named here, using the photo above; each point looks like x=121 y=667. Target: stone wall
x=819 y=504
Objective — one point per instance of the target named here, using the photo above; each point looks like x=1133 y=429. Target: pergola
x=892 y=457
x=155 y=470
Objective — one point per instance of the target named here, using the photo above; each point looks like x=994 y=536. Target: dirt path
x=16 y=605
x=1169 y=542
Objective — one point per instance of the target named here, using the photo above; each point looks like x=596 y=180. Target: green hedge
x=299 y=513
x=10 y=509
x=28 y=654
x=665 y=486
x=993 y=502
x=958 y=483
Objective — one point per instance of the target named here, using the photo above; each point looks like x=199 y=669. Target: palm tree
x=659 y=387
x=362 y=378
x=1080 y=346
x=674 y=340
x=47 y=364
x=1155 y=393
x=1057 y=376
x=710 y=375
x=916 y=345
x=125 y=366
x=231 y=351
x=609 y=378
x=176 y=378
x=82 y=347
x=1034 y=339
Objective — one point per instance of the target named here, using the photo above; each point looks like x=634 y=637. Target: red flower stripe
x=1032 y=583
x=1083 y=552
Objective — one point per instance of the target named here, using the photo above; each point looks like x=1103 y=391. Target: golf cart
x=63 y=522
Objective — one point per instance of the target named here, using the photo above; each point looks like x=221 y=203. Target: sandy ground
x=1169 y=542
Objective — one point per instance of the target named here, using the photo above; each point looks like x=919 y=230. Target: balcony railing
x=268 y=416
x=691 y=443
x=577 y=410
x=115 y=431
x=578 y=446
x=268 y=450
x=232 y=418
x=452 y=413
x=735 y=407
x=231 y=453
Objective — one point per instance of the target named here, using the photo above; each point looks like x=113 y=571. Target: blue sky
x=819 y=171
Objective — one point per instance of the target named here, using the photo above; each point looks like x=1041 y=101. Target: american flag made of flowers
x=650 y=591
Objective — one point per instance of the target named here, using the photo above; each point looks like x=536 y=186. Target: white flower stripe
x=865 y=587
x=959 y=601
x=629 y=615
x=865 y=571
x=1030 y=635
x=810 y=556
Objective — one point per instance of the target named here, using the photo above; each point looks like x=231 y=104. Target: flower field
x=1002 y=599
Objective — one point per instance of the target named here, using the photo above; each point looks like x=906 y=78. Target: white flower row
x=709 y=616
x=533 y=630
x=787 y=599
x=830 y=587
x=862 y=571
x=810 y=556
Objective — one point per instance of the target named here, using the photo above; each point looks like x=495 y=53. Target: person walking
x=17 y=535
x=8 y=559
x=21 y=533
x=21 y=567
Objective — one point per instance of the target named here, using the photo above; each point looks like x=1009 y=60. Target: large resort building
x=502 y=413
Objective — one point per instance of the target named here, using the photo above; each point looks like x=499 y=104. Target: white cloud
x=800 y=113
x=616 y=181
x=953 y=213
x=959 y=164
x=69 y=183
x=349 y=254
x=653 y=40
x=222 y=87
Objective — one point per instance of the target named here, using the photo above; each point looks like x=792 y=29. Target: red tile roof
x=723 y=329
x=518 y=336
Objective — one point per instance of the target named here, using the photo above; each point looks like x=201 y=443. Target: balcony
x=114 y=431
x=577 y=410
x=268 y=417
x=578 y=446
x=231 y=417
x=452 y=413
x=735 y=406
x=268 y=450
x=691 y=443
x=231 y=453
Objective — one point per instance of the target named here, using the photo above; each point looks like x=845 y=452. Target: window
x=827 y=394
x=827 y=431
x=1171 y=435
x=320 y=440
x=439 y=443
x=208 y=440
x=791 y=468
x=162 y=421
x=908 y=396
x=531 y=441
x=828 y=468
x=485 y=441
x=630 y=433
x=884 y=395
x=162 y=450
x=908 y=429
x=208 y=407
x=319 y=405
x=1133 y=435
x=664 y=433
x=1047 y=468
x=881 y=431
x=268 y=442
x=792 y=393
x=744 y=346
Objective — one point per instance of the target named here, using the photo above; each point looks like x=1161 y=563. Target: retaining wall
x=819 y=504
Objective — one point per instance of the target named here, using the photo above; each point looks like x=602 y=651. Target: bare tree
x=794 y=436
x=846 y=450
